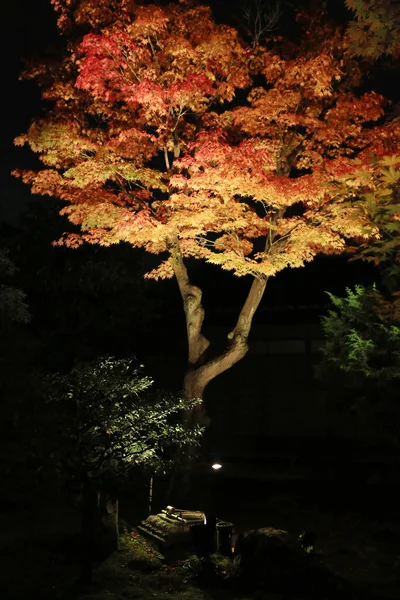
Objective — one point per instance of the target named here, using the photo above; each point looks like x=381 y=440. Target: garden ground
x=358 y=539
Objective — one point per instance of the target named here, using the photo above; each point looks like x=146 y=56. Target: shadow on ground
x=357 y=539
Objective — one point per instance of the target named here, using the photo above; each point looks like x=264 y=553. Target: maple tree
x=373 y=34
x=375 y=29
x=167 y=131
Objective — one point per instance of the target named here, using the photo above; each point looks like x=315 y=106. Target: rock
x=269 y=554
x=274 y=559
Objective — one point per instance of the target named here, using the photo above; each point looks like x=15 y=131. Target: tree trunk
x=111 y=525
x=89 y=529
x=201 y=368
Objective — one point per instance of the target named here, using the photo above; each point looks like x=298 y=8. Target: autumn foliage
x=379 y=207
x=169 y=132
x=374 y=30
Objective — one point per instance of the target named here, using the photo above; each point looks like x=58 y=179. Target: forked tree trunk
x=201 y=369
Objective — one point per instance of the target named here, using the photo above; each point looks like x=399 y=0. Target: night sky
x=32 y=31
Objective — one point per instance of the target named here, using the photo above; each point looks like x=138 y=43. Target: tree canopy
x=168 y=132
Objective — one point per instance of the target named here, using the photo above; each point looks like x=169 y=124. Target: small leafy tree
x=100 y=424
x=361 y=356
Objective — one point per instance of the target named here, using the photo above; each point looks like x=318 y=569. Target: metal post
x=150 y=494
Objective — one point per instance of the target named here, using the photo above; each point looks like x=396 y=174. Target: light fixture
x=216 y=466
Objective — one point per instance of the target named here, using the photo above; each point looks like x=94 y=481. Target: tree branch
x=241 y=331
x=167 y=164
x=194 y=311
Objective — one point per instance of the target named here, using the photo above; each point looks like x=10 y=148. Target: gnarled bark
x=202 y=370
x=194 y=311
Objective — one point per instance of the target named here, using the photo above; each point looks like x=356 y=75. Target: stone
x=275 y=559
x=172 y=530
x=268 y=555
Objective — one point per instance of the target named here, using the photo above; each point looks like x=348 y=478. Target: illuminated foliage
x=170 y=133
x=98 y=425
x=101 y=422
x=158 y=87
x=375 y=28
x=378 y=204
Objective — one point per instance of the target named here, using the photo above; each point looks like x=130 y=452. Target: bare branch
x=261 y=17
x=167 y=164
